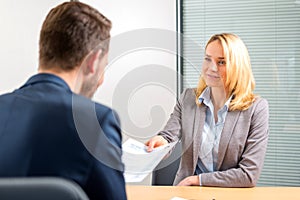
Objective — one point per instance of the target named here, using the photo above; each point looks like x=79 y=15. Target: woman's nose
x=213 y=66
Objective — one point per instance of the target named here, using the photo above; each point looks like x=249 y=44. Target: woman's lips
x=212 y=76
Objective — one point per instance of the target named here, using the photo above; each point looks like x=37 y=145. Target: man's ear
x=93 y=60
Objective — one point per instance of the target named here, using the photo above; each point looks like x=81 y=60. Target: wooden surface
x=135 y=192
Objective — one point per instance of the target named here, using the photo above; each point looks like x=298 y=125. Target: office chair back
x=165 y=172
x=45 y=188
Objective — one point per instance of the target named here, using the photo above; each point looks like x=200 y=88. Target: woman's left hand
x=189 y=181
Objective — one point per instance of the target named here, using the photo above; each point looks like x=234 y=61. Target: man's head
x=70 y=31
x=75 y=35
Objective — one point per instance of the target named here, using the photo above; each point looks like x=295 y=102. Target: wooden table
x=137 y=192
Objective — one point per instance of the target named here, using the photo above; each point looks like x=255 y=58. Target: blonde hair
x=239 y=80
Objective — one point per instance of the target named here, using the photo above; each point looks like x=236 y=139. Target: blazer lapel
x=198 y=128
x=230 y=121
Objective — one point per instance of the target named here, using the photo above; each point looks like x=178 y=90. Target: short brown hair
x=70 y=31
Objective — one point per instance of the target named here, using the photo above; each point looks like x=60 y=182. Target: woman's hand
x=154 y=142
x=189 y=181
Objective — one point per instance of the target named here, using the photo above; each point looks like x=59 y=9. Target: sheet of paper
x=138 y=162
x=178 y=198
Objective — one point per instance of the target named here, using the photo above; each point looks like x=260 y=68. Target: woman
x=223 y=126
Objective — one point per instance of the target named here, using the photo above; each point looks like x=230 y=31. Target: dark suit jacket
x=242 y=146
x=46 y=130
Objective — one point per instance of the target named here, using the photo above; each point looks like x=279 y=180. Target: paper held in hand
x=138 y=162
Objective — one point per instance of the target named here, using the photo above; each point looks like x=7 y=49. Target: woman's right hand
x=156 y=141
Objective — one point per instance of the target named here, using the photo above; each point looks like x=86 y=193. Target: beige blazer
x=242 y=145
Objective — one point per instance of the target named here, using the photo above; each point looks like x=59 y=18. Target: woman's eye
x=207 y=59
x=221 y=62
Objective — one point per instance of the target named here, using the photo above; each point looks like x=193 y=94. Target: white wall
x=20 y=22
x=140 y=81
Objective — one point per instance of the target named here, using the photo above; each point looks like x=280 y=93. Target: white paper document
x=138 y=162
x=178 y=198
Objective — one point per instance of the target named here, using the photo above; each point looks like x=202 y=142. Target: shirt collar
x=205 y=98
x=45 y=77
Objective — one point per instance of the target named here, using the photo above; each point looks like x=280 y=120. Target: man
x=49 y=126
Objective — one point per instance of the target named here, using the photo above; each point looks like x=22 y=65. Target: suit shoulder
x=102 y=107
x=104 y=111
x=101 y=110
x=261 y=102
x=188 y=96
x=190 y=91
x=260 y=105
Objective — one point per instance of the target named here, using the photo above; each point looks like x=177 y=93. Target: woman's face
x=214 y=65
